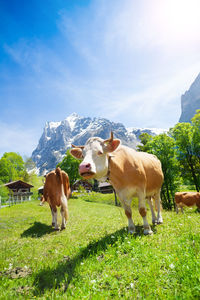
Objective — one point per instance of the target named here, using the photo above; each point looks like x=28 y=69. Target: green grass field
x=95 y=257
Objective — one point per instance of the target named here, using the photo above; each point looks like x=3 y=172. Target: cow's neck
x=108 y=173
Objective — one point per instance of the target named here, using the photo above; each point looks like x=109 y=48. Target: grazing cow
x=131 y=173
x=186 y=199
x=56 y=193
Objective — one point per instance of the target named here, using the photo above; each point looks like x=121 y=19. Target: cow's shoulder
x=124 y=154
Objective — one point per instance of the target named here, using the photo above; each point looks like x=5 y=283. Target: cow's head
x=95 y=156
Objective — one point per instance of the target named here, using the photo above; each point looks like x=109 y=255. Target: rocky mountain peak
x=190 y=101
x=57 y=137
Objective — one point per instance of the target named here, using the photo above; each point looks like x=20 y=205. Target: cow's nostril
x=85 y=168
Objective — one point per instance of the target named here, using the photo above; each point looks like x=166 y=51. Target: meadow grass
x=95 y=257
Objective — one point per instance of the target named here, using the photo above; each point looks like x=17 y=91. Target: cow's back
x=139 y=169
x=52 y=189
x=153 y=171
x=66 y=184
x=187 y=198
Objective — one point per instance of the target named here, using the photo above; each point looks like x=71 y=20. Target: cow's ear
x=77 y=153
x=112 y=145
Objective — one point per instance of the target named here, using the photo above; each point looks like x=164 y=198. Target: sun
x=176 y=21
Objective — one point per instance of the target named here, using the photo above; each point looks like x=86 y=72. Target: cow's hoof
x=154 y=222
x=131 y=230
x=53 y=224
x=56 y=228
x=63 y=227
x=159 y=221
x=148 y=232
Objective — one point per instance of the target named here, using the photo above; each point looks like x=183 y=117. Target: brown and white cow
x=186 y=199
x=131 y=173
x=56 y=193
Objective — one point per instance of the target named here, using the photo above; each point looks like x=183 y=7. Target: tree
x=144 y=138
x=163 y=146
x=29 y=163
x=4 y=192
x=12 y=167
x=196 y=135
x=7 y=171
x=185 y=136
x=37 y=182
x=16 y=161
x=71 y=166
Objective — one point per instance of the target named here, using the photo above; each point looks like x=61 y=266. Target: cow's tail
x=59 y=174
x=64 y=203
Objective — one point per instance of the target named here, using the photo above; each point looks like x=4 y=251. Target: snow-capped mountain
x=190 y=101
x=57 y=137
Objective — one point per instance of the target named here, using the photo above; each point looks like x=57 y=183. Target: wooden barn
x=85 y=184
x=19 y=190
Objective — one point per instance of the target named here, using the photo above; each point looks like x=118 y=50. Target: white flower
x=112 y=237
x=93 y=281
x=172 y=266
x=82 y=263
x=132 y=285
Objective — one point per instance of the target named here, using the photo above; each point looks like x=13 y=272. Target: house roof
x=17 y=184
x=81 y=181
x=104 y=184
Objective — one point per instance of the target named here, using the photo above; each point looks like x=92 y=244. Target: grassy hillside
x=95 y=257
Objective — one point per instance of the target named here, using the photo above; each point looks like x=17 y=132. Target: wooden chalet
x=19 y=190
x=85 y=184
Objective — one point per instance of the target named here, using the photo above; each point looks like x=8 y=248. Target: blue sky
x=126 y=60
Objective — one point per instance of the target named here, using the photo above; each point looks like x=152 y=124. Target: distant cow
x=56 y=193
x=131 y=173
x=187 y=199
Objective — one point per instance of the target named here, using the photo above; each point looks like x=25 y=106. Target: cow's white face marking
x=95 y=155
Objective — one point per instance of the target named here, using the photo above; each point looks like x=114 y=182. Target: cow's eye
x=100 y=153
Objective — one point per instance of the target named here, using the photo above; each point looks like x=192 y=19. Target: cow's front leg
x=128 y=213
x=126 y=204
x=143 y=213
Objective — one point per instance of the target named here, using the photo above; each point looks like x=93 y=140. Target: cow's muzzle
x=85 y=171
